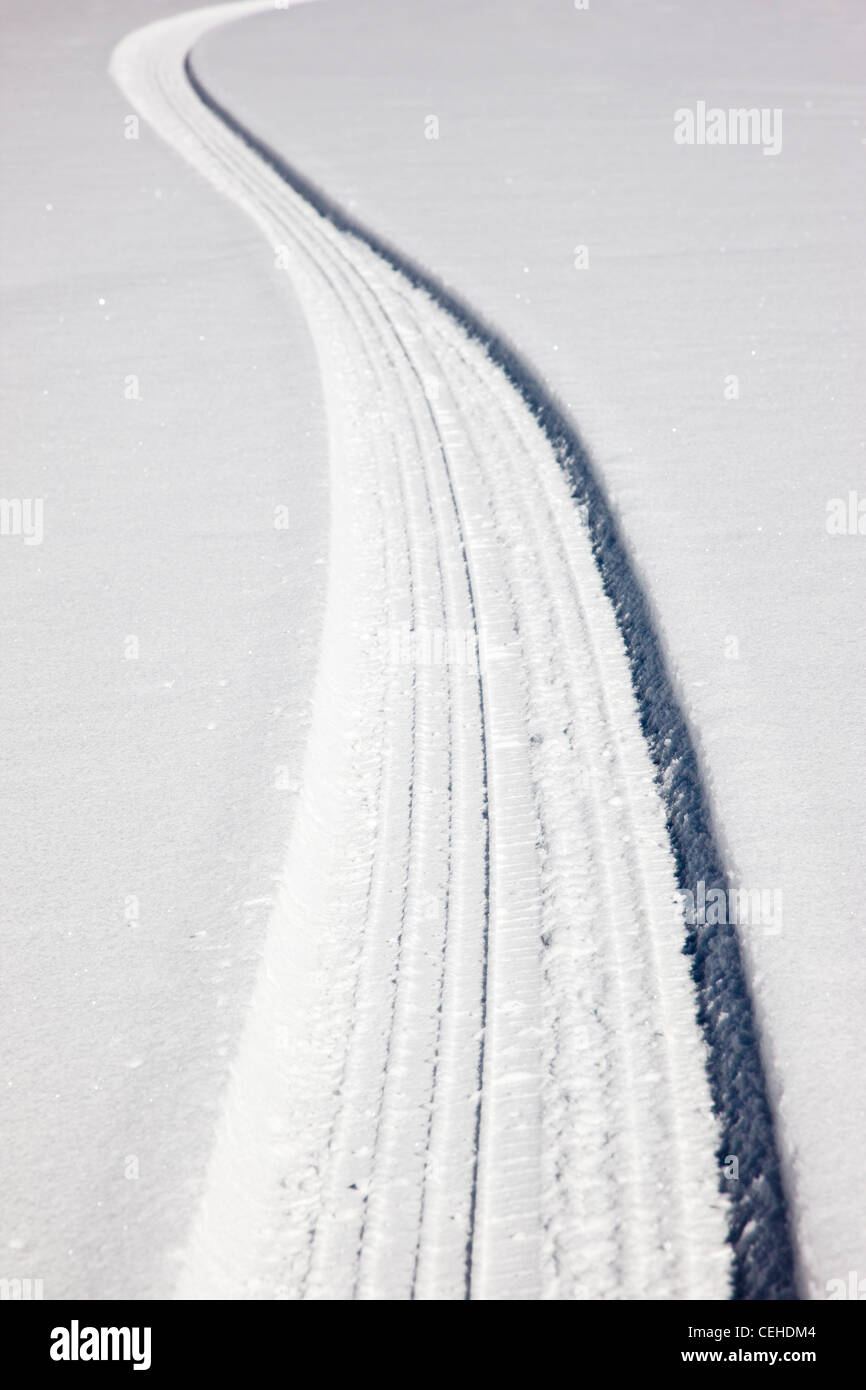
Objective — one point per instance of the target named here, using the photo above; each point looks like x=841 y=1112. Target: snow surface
x=556 y=132
x=446 y=1107
x=161 y=785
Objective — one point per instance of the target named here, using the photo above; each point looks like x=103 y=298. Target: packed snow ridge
x=478 y=1062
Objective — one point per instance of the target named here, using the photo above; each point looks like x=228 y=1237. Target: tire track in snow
x=472 y=1066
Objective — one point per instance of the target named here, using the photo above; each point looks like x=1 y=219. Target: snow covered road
x=472 y=1065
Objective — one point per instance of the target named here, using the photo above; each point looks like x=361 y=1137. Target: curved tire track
x=472 y=1066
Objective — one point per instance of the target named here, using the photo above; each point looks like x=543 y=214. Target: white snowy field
x=698 y=313
x=469 y=1062
x=147 y=791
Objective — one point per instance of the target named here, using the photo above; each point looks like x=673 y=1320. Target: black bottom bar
x=221 y=1339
